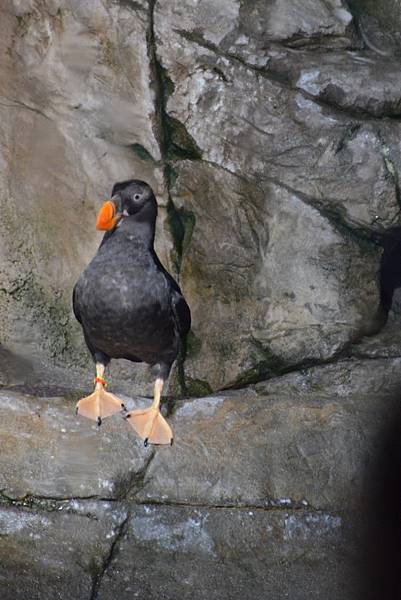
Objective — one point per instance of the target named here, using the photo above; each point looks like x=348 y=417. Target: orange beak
x=106 y=218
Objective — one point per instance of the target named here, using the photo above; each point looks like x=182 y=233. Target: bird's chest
x=125 y=296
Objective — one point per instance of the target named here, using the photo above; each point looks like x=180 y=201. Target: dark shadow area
x=381 y=514
x=390 y=274
x=390 y=267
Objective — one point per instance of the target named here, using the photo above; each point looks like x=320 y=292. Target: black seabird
x=129 y=306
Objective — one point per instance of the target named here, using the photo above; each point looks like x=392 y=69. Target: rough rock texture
x=289 y=488
x=227 y=551
x=264 y=130
x=55 y=553
x=270 y=131
x=273 y=304
x=308 y=169
x=379 y=24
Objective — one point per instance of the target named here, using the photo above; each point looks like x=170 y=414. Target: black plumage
x=129 y=306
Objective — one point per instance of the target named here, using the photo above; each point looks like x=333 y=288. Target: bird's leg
x=150 y=423
x=100 y=403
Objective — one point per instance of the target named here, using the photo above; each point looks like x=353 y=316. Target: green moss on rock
x=181 y=223
x=142 y=153
x=194 y=345
x=266 y=365
x=197 y=387
x=180 y=144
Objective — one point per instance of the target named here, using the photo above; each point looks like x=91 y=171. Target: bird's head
x=129 y=198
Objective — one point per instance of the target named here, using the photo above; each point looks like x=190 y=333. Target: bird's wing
x=75 y=305
x=181 y=312
x=180 y=308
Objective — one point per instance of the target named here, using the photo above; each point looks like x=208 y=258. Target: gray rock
x=276 y=302
x=299 y=21
x=387 y=343
x=355 y=82
x=252 y=25
x=379 y=24
x=270 y=134
x=82 y=79
x=286 y=487
x=280 y=134
x=56 y=553
x=202 y=553
x=310 y=437
x=302 y=139
x=47 y=451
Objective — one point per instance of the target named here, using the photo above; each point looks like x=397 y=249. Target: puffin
x=129 y=306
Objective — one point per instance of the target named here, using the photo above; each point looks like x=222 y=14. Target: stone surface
x=95 y=93
x=47 y=451
x=303 y=438
x=210 y=553
x=288 y=487
x=379 y=24
x=387 y=343
x=47 y=555
x=306 y=142
x=251 y=25
x=280 y=133
x=364 y=84
x=239 y=258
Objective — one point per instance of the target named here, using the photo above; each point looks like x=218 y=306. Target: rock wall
x=270 y=132
x=265 y=131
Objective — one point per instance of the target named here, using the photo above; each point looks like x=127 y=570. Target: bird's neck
x=141 y=225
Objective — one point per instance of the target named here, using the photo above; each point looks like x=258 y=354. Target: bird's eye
x=136 y=197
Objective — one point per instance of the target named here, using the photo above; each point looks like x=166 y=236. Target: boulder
x=279 y=488
x=276 y=302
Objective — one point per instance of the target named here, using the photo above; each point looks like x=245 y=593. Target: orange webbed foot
x=151 y=426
